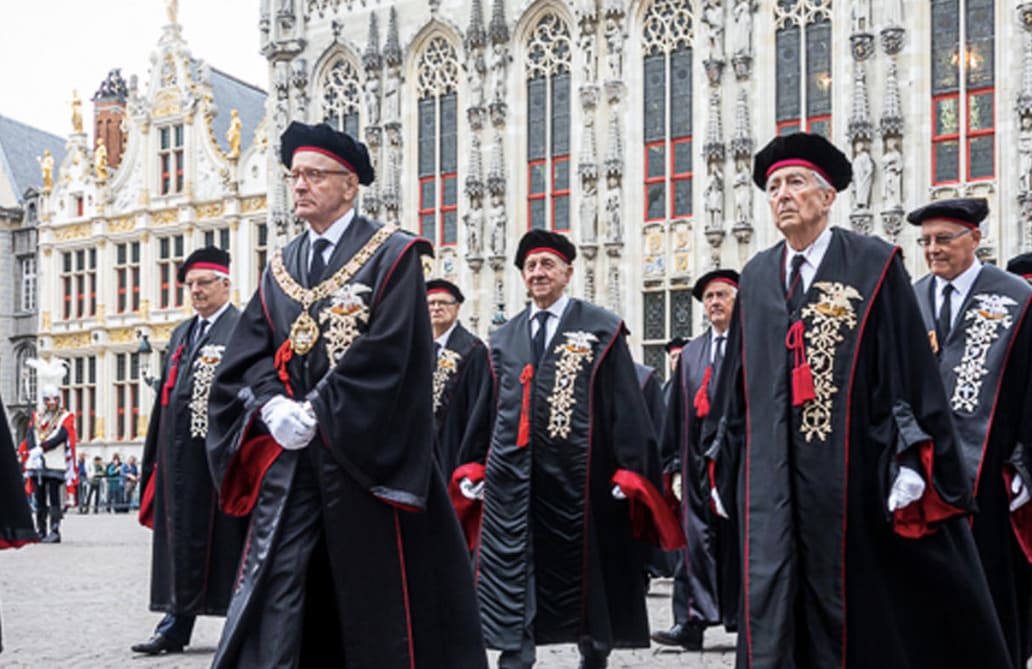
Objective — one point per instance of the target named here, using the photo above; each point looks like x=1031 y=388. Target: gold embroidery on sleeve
x=573 y=355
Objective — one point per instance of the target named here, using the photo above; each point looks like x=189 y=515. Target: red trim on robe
x=398 y=505
x=17 y=543
x=469 y=511
x=918 y=519
x=652 y=520
x=146 y=514
x=405 y=592
x=244 y=475
x=1020 y=518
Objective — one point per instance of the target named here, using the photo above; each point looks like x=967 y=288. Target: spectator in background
x=97 y=474
x=131 y=475
x=82 y=492
x=115 y=484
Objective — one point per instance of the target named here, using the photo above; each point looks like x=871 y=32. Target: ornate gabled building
x=27 y=157
x=630 y=125
x=176 y=161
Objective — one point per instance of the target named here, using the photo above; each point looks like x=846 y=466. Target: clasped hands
x=292 y=424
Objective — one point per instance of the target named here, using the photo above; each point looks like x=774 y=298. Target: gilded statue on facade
x=100 y=164
x=76 y=111
x=233 y=134
x=172 y=11
x=46 y=166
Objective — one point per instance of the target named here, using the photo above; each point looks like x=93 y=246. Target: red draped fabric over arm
x=652 y=520
x=243 y=479
x=918 y=519
x=468 y=510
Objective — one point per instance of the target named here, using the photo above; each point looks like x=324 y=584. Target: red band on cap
x=798 y=162
x=438 y=290
x=325 y=152
x=547 y=249
x=214 y=266
x=1027 y=276
x=724 y=279
x=948 y=219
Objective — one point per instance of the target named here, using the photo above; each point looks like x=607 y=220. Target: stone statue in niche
x=1025 y=154
x=743 y=191
x=589 y=209
x=713 y=19
x=499 y=64
x=860 y=16
x=474 y=223
x=477 y=77
x=614 y=207
x=498 y=221
x=892 y=187
x=372 y=98
x=587 y=48
x=614 y=48
x=392 y=95
x=863 y=175
x=713 y=198
x=741 y=29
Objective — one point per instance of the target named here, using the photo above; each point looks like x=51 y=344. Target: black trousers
x=48 y=492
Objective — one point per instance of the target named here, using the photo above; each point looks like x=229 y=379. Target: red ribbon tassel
x=701 y=402
x=523 y=436
x=283 y=355
x=170 y=382
x=802 y=377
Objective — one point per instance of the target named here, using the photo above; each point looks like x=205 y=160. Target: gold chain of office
x=304 y=331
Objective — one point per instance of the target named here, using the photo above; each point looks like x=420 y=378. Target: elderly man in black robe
x=322 y=423
x=1021 y=265
x=978 y=323
x=571 y=478
x=832 y=439
x=195 y=547
x=461 y=380
x=706 y=582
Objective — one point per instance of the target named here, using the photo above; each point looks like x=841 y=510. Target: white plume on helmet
x=49 y=375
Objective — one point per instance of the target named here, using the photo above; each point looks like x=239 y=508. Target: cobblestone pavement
x=83 y=602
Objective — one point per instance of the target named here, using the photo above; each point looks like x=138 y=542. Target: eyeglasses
x=440 y=303
x=941 y=240
x=199 y=283
x=311 y=175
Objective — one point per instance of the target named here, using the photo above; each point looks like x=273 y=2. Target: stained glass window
x=438 y=142
x=803 y=66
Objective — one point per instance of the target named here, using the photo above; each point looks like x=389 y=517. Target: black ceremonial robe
x=711 y=555
x=196 y=547
x=16 y=528
x=986 y=366
x=563 y=434
x=652 y=389
x=462 y=398
x=830 y=579
x=394 y=584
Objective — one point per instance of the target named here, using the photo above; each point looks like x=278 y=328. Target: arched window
x=341 y=94
x=26 y=374
x=803 y=66
x=548 y=125
x=963 y=105
x=667 y=78
x=438 y=73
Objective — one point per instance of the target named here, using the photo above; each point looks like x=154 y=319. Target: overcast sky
x=49 y=47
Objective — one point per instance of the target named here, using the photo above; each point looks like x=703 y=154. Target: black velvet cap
x=543 y=240
x=806 y=150
x=1021 y=265
x=728 y=276
x=676 y=342
x=967 y=211
x=440 y=285
x=208 y=257
x=323 y=139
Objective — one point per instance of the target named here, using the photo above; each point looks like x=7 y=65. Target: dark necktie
x=437 y=350
x=795 y=284
x=718 y=355
x=202 y=327
x=945 y=315
x=318 y=266
x=539 y=337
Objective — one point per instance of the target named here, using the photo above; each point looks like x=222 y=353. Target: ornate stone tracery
x=438 y=70
x=549 y=48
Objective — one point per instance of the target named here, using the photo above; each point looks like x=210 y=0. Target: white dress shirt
x=442 y=341
x=962 y=284
x=556 y=312
x=332 y=235
x=714 y=335
x=812 y=257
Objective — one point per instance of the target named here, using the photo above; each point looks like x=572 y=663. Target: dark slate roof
x=20 y=144
x=231 y=93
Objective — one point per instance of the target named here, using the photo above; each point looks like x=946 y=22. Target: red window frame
x=819 y=119
x=974 y=134
x=424 y=209
x=532 y=196
x=945 y=137
x=675 y=176
x=67 y=281
x=446 y=208
x=169 y=288
x=560 y=194
x=651 y=181
x=795 y=124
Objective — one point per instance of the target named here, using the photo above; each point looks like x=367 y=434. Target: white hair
x=822 y=183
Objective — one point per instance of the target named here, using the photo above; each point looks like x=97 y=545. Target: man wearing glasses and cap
x=196 y=547
x=322 y=428
x=830 y=434
x=977 y=318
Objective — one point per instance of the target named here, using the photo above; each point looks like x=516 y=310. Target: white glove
x=906 y=489
x=289 y=423
x=471 y=490
x=675 y=484
x=618 y=494
x=718 y=506
x=1020 y=490
x=35 y=458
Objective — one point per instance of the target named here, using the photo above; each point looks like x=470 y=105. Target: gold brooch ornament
x=304 y=331
x=986 y=323
x=577 y=351
x=828 y=320
x=447 y=364
x=207 y=360
x=345 y=312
